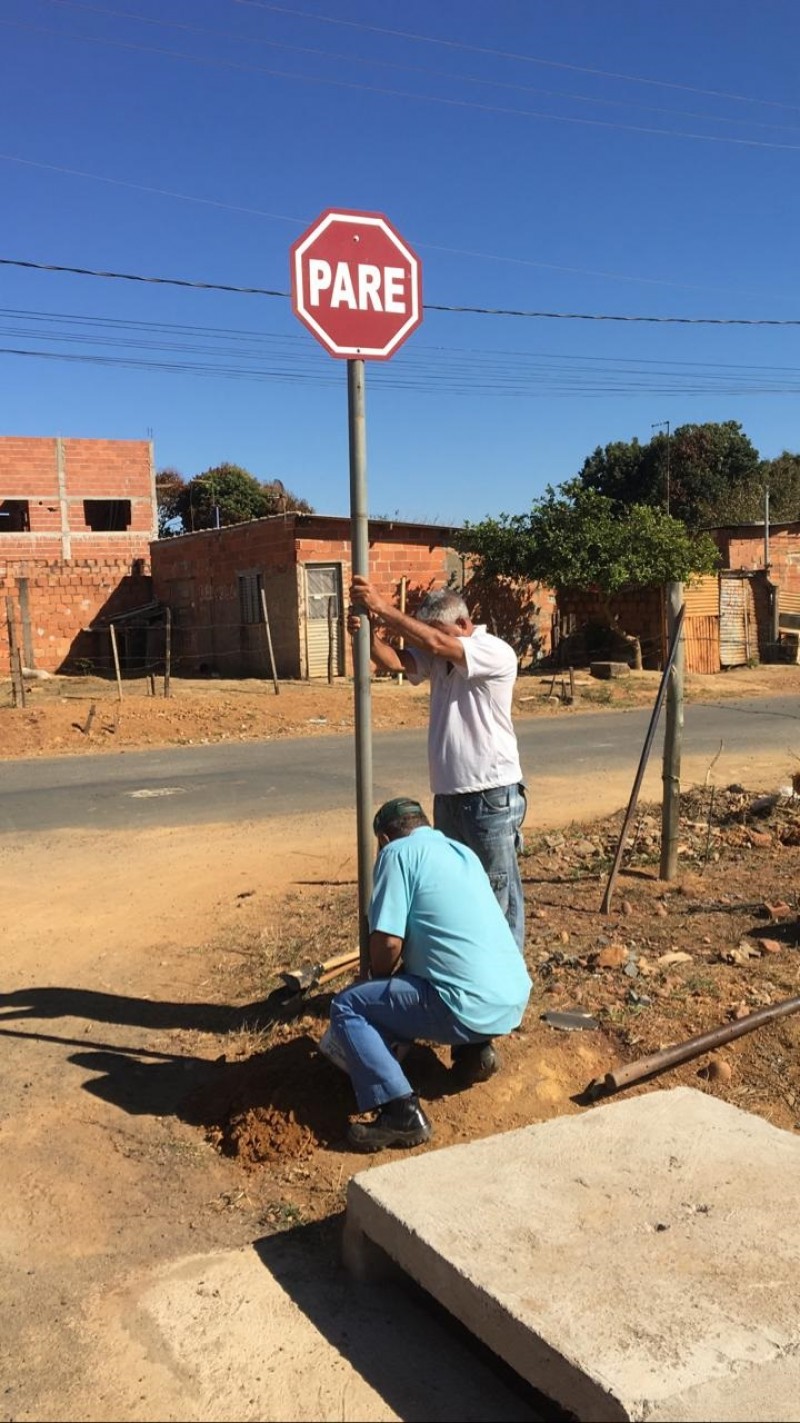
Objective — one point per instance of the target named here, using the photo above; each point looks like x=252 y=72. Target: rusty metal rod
x=693 y=1047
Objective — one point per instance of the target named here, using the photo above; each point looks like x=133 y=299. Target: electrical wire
x=420 y=359
x=372 y=61
x=216 y=62
x=544 y=380
x=520 y=313
x=511 y=54
x=302 y=222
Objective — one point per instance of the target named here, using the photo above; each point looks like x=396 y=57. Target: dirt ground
x=67 y=716
x=175 y=1169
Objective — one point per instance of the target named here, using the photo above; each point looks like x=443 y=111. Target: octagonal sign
x=356 y=285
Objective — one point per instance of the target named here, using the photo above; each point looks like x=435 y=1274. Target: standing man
x=444 y=968
x=475 y=773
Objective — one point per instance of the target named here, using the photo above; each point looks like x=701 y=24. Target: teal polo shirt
x=434 y=894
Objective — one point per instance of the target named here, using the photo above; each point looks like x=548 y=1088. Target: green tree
x=701 y=467
x=744 y=502
x=782 y=477
x=227 y=494
x=578 y=538
x=169 y=484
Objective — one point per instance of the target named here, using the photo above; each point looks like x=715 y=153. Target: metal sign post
x=357 y=287
x=359 y=539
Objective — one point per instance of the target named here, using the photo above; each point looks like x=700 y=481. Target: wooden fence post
x=605 y=905
x=673 y=742
x=17 y=679
x=265 y=615
x=167 y=650
x=330 y=640
x=402 y=642
x=25 y=615
x=113 y=631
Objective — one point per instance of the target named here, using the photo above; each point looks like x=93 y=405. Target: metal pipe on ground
x=684 y=1052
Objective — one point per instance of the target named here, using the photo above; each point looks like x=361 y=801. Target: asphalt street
x=196 y=785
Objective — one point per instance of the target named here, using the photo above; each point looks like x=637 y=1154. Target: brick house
x=743 y=546
x=76 y=521
x=727 y=622
x=213 y=581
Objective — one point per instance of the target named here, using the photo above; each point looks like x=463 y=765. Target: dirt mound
x=668 y=962
x=283 y=1103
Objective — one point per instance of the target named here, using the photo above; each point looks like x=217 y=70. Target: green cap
x=394 y=810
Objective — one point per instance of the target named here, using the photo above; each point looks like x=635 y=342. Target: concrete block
x=605 y=670
x=637 y=1262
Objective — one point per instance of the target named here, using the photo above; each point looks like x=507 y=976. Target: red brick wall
x=745 y=549
x=56 y=476
x=64 y=599
x=637 y=610
x=74 y=575
x=197 y=575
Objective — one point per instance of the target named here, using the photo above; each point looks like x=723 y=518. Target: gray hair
x=443 y=606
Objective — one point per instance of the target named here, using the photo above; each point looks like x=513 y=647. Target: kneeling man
x=444 y=968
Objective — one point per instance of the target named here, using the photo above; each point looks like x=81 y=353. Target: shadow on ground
x=418 y=1381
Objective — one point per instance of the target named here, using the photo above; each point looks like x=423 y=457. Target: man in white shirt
x=473 y=759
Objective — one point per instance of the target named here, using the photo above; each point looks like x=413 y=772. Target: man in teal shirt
x=444 y=968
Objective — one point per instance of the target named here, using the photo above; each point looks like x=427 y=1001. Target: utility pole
x=661 y=425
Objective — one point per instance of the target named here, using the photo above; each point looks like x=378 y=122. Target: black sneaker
x=474 y=1062
x=401 y=1122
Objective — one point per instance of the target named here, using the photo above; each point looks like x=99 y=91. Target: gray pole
x=359 y=540
x=673 y=738
x=661 y=425
x=766 y=528
x=666 y=422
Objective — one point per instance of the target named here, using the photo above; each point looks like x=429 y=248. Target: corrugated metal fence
x=701 y=625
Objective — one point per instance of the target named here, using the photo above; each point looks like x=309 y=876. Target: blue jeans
x=368 y=1019
x=489 y=823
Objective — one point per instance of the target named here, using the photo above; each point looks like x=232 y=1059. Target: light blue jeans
x=368 y=1019
x=489 y=822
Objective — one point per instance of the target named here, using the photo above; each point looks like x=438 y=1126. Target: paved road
x=196 y=785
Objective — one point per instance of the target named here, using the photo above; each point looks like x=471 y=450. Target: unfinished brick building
x=76 y=521
x=213 y=581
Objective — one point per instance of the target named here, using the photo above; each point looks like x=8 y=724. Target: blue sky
x=626 y=157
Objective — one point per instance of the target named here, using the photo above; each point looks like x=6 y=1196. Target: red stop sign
x=356 y=284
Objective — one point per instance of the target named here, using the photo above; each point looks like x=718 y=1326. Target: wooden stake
x=17 y=679
x=167 y=650
x=402 y=642
x=25 y=615
x=673 y=741
x=643 y=759
x=265 y=615
x=112 y=630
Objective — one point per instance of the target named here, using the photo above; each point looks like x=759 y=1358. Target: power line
x=394 y=379
x=208 y=62
x=301 y=222
x=133 y=277
x=428 y=306
x=372 y=61
x=511 y=54
x=415 y=356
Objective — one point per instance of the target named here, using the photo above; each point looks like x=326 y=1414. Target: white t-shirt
x=471 y=741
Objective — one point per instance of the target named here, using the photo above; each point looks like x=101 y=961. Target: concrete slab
x=276 y=1332
x=638 y=1262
